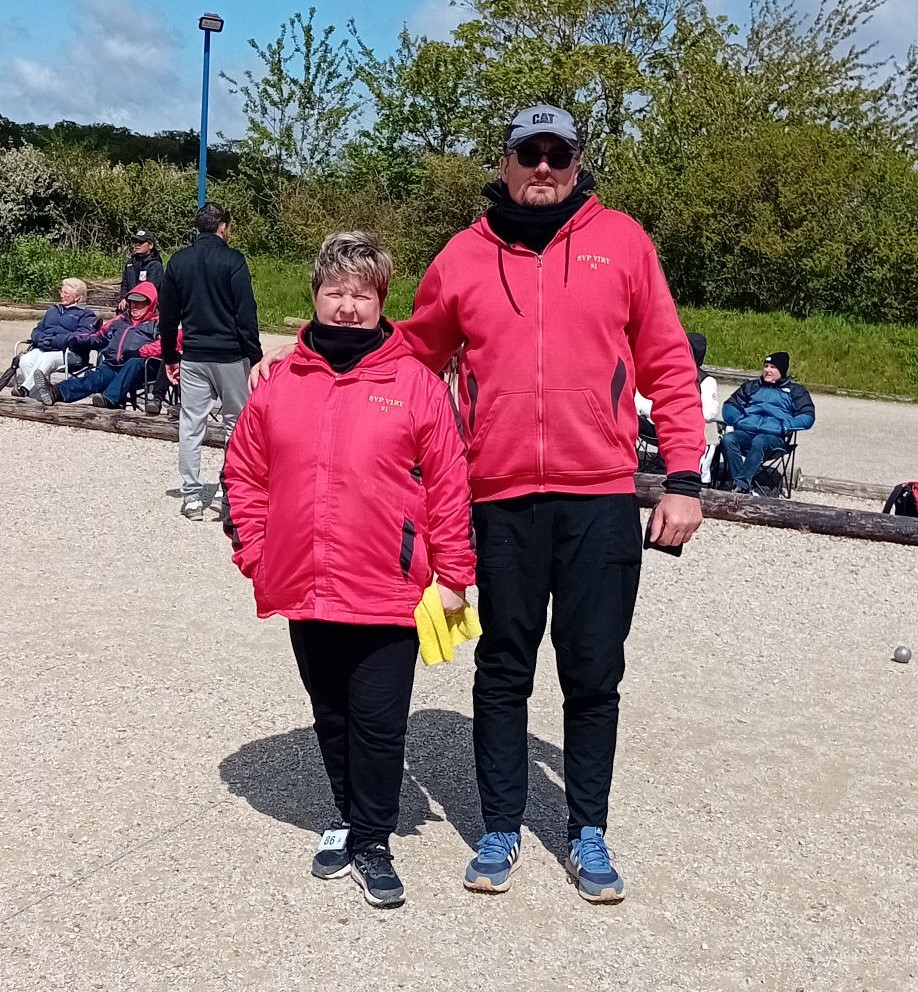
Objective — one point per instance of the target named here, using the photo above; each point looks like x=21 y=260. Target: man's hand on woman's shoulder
x=263 y=369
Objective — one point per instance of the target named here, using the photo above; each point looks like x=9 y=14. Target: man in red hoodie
x=560 y=309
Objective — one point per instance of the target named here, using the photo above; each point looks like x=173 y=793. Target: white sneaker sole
x=389 y=902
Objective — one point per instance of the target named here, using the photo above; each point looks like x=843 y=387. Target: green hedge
x=833 y=351
x=32 y=269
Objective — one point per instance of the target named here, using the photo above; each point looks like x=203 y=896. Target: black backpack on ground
x=903 y=500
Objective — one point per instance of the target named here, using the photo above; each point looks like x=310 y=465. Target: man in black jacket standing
x=144 y=265
x=208 y=290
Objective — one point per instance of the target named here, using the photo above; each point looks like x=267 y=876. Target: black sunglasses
x=530 y=156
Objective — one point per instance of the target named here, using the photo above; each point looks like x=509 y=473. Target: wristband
x=683 y=484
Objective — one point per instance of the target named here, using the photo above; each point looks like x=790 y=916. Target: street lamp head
x=211 y=22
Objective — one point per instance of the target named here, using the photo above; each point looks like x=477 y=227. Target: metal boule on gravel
x=902 y=654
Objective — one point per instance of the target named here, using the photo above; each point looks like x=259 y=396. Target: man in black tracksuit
x=144 y=265
x=208 y=290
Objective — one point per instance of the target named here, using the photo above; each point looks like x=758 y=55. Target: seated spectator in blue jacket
x=119 y=343
x=51 y=334
x=763 y=413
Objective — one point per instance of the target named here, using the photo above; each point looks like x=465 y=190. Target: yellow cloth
x=440 y=633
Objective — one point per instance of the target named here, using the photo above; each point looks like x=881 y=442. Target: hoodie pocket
x=581 y=439
x=505 y=445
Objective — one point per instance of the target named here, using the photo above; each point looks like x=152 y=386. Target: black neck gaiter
x=343 y=347
x=533 y=227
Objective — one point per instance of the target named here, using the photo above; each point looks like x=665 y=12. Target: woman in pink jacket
x=347 y=490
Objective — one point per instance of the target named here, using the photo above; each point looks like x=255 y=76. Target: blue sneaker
x=590 y=867
x=497 y=858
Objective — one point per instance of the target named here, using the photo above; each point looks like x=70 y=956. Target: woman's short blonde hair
x=76 y=286
x=353 y=253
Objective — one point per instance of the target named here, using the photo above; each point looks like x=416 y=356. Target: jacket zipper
x=539 y=390
x=322 y=524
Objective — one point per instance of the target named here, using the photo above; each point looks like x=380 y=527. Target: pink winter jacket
x=554 y=345
x=346 y=491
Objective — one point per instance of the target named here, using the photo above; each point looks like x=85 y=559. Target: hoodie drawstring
x=503 y=278
x=567 y=255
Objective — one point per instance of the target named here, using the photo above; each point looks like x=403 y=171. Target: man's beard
x=540 y=201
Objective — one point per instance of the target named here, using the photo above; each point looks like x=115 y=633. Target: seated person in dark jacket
x=51 y=334
x=144 y=265
x=119 y=343
x=763 y=413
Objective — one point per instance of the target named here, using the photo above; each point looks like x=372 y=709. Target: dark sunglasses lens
x=531 y=157
x=528 y=157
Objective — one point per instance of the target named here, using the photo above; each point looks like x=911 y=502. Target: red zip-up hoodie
x=553 y=346
x=346 y=490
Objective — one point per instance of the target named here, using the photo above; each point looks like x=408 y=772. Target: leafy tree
x=587 y=55
x=34 y=199
x=300 y=110
x=421 y=94
x=118 y=144
x=10 y=133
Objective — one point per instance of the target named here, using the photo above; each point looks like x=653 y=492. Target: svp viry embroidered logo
x=594 y=260
x=385 y=402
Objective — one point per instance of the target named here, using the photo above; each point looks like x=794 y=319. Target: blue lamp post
x=209 y=24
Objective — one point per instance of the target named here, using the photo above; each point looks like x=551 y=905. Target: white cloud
x=436 y=19
x=121 y=64
x=38 y=79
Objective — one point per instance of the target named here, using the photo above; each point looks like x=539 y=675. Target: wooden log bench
x=806 y=517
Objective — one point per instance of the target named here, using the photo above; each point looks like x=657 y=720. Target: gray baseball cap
x=542 y=119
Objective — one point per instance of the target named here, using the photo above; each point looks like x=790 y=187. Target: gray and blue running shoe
x=497 y=858
x=590 y=867
x=335 y=862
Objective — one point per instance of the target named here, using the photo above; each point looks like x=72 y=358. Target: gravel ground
x=163 y=791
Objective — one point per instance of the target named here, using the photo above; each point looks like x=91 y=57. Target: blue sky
x=138 y=65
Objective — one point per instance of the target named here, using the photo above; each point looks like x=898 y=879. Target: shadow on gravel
x=283 y=777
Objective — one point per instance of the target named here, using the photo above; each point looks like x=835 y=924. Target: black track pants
x=584 y=552
x=359 y=679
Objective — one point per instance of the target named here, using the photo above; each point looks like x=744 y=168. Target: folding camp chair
x=648 y=447
x=73 y=363
x=776 y=477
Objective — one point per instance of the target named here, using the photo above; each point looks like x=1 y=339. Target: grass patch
x=281 y=289
x=831 y=351
x=32 y=269
x=834 y=351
